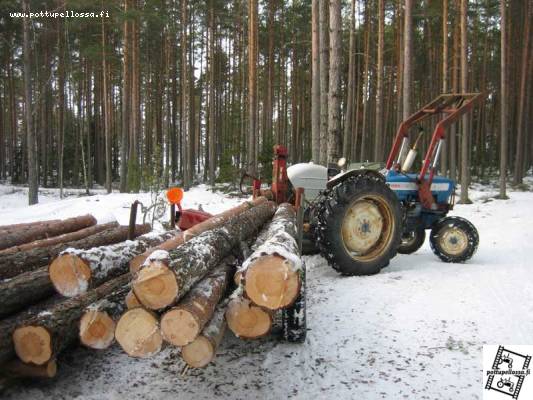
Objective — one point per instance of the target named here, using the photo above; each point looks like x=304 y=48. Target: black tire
x=336 y=204
x=454 y=239
x=294 y=318
x=412 y=241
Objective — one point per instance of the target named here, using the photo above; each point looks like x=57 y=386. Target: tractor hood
x=312 y=177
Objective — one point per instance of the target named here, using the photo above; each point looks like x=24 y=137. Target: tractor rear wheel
x=454 y=239
x=412 y=241
x=358 y=225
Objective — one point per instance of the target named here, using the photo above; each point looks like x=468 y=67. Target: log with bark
x=181 y=324
x=97 y=324
x=15 y=370
x=40 y=338
x=25 y=225
x=194 y=231
x=66 y=237
x=271 y=275
x=167 y=276
x=23 y=290
x=202 y=350
x=8 y=325
x=246 y=320
x=74 y=271
x=24 y=261
x=138 y=333
x=46 y=230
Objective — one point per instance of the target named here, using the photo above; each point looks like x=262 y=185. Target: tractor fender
x=354 y=172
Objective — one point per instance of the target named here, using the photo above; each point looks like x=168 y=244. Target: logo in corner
x=510 y=368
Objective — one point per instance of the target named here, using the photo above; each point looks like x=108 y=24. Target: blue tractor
x=360 y=217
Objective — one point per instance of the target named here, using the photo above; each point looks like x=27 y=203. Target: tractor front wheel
x=358 y=225
x=454 y=239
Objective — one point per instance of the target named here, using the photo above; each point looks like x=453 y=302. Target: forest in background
x=190 y=92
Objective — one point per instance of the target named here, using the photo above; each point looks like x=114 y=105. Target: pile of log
x=161 y=289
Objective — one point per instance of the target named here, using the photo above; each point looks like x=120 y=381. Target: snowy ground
x=414 y=331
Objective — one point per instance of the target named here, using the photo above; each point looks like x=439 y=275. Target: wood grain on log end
x=97 y=329
x=179 y=327
x=70 y=275
x=272 y=282
x=33 y=344
x=138 y=333
x=155 y=286
x=246 y=320
x=132 y=301
x=198 y=353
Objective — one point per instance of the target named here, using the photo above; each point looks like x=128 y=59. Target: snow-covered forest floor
x=414 y=331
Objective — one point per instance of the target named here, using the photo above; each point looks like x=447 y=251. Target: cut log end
x=33 y=344
x=272 y=282
x=198 y=353
x=70 y=275
x=138 y=333
x=179 y=327
x=131 y=300
x=97 y=329
x=155 y=286
x=246 y=320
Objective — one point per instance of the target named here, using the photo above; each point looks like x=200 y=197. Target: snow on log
x=40 y=338
x=23 y=290
x=271 y=275
x=97 y=324
x=131 y=300
x=75 y=271
x=64 y=238
x=167 y=276
x=246 y=320
x=194 y=231
x=24 y=261
x=46 y=230
x=203 y=349
x=138 y=333
x=181 y=324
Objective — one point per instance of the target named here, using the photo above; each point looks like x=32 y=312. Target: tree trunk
x=40 y=338
x=407 y=58
x=246 y=320
x=212 y=115
x=203 y=349
x=271 y=275
x=183 y=323
x=378 y=144
x=465 y=131
x=61 y=116
x=46 y=230
x=444 y=151
x=522 y=117
x=107 y=112
x=211 y=223
x=185 y=98
x=75 y=271
x=138 y=333
x=324 y=80
x=66 y=237
x=334 y=95
x=126 y=96
x=31 y=142
x=168 y=276
x=97 y=323
x=350 y=101
x=252 y=86
x=17 y=263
